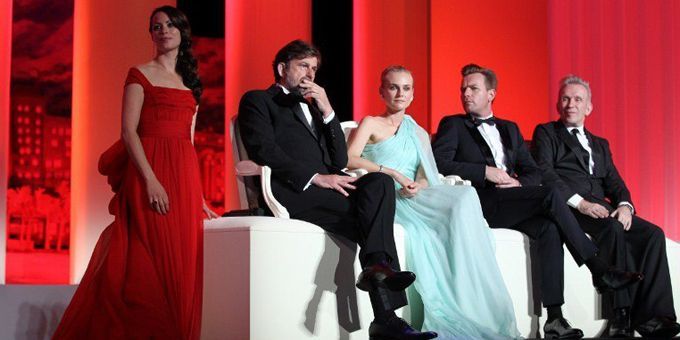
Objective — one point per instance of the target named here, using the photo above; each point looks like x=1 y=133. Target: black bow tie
x=290 y=99
x=295 y=97
x=491 y=121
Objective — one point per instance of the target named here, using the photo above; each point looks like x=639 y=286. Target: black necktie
x=586 y=155
x=576 y=133
x=491 y=121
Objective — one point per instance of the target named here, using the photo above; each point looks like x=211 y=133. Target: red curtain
x=506 y=36
x=435 y=38
x=628 y=51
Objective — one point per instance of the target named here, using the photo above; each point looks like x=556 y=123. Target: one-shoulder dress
x=448 y=246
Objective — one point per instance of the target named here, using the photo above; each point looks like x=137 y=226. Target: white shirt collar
x=285 y=90
x=483 y=118
x=580 y=129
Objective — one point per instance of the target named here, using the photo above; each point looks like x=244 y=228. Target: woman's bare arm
x=133 y=99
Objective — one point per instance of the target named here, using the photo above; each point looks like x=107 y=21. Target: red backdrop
x=436 y=38
x=506 y=36
x=628 y=50
x=254 y=31
x=388 y=32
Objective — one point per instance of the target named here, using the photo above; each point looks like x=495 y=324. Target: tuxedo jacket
x=459 y=149
x=564 y=163
x=275 y=132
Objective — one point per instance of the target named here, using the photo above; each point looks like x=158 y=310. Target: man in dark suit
x=292 y=128
x=580 y=165
x=492 y=154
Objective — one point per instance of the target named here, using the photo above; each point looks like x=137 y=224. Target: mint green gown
x=449 y=246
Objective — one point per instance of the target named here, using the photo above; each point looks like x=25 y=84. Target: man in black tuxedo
x=580 y=165
x=492 y=154
x=292 y=128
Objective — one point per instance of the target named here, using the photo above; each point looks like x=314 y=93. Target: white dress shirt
x=581 y=136
x=576 y=199
x=493 y=140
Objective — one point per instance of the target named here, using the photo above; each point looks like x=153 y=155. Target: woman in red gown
x=144 y=280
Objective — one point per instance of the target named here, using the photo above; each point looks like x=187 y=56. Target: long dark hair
x=187 y=65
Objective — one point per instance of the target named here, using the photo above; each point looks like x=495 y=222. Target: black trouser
x=540 y=213
x=641 y=249
x=365 y=217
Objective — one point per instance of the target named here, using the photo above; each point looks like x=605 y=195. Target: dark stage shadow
x=335 y=274
x=533 y=287
x=534 y=292
x=37 y=322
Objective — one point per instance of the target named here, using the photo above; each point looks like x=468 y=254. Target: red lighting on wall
x=249 y=23
x=378 y=43
x=629 y=51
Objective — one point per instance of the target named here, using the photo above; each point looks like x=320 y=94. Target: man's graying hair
x=574 y=80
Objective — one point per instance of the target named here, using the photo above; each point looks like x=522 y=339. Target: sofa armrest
x=250 y=168
x=355 y=172
x=454 y=180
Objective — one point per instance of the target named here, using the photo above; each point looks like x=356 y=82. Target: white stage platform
x=286 y=279
x=289 y=280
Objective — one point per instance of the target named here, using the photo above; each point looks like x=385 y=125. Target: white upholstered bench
x=280 y=278
x=274 y=278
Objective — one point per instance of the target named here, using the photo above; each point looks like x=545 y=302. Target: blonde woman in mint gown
x=449 y=246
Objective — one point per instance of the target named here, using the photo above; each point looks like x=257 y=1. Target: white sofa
x=280 y=278
x=274 y=278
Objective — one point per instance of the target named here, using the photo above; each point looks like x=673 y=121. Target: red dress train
x=145 y=277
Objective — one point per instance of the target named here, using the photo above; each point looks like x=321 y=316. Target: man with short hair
x=491 y=153
x=581 y=166
x=292 y=128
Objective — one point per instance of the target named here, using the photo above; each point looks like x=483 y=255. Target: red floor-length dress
x=144 y=280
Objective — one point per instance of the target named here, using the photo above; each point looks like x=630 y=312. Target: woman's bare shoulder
x=149 y=70
x=373 y=121
x=146 y=67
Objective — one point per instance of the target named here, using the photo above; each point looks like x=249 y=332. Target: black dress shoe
x=659 y=327
x=619 y=326
x=559 y=328
x=382 y=275
x=396 y=329
x=614 y=279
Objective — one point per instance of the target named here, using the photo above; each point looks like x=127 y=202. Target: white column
x=109 y=37
x=5 y=63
